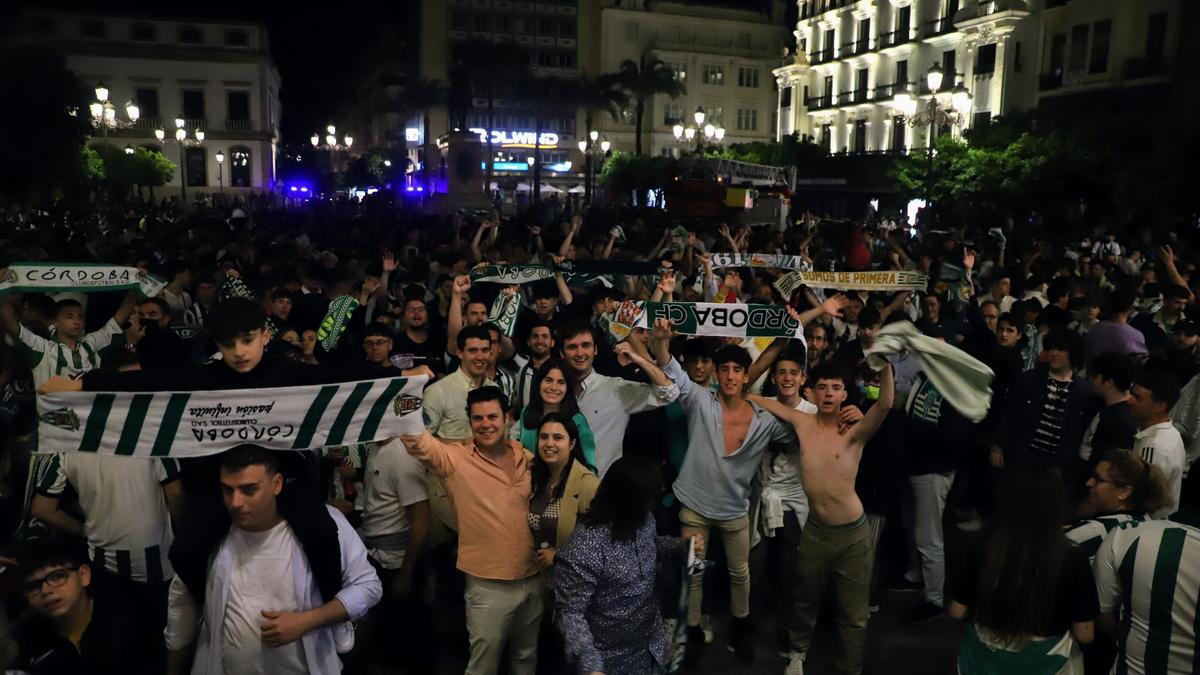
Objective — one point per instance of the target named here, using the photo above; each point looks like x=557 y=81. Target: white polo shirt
x=393 y=481
x=1162 y=446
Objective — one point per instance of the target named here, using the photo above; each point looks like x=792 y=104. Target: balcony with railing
x=194 y=124
x=886 y=92
x=940 y=26
x=148 y=124
x=896 y=37
x=823 y=56
x=855 y=48
x=239 y=126
x=819 y=102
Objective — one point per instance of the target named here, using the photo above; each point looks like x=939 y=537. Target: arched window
x=237 y=38
x=191 y=35
x=239 y=167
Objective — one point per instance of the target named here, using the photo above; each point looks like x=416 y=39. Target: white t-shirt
x=261 y=579
x=179 y=304
x=1162 y=446
x=394 y=480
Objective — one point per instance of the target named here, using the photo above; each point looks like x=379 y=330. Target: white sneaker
x=795 y=664
x=706 y=626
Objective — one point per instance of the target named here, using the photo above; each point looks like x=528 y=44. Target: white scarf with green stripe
x=199 y=423
x=78 y=277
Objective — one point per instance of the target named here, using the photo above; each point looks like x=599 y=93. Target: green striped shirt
x=47 y=358
x=1088 y=533
x=1148 y=573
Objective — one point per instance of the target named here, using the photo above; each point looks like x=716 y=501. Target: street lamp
x=220 y=176
x=594 y=151
x=331 y=144
x=934 y=114
x=181 y=137
x=128 y=149
x=104 y=113
x=700 y=133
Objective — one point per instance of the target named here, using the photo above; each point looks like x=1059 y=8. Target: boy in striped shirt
x=1148 y=582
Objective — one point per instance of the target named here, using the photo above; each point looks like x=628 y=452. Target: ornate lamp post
x=181 y=137
x=934 y=114
x=700 y=133
x=104 y=113
x=594 y=152
x=220 y=175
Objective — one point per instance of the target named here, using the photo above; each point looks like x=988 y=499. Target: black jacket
x=108 y=646
x=1019 y=421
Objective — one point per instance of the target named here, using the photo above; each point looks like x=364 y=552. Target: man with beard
x=540 y=344
x=419 y=338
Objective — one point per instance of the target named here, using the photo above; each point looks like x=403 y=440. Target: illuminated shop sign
x=517 y=139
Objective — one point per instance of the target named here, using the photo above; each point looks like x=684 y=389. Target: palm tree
x=490 y=66
x=553 y=95
x=423 y=96
x=643 y=80
x=602 y=94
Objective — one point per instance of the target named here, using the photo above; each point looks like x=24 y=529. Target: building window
x=785 y=98
x=713 y=74
x=748 y=77
x=679 y=68
x=1079 y=40
x=672 y=113
x=239 y=167
x=566 y=59
x=193 y=105
x=197 y=167
x=237 y=38
x=93 y=29
x=546 y=60
x=458 y=20
x=860 y=136
x=503 y=23
x=981 y=119
x=1017 y=64
x=1156 y=38
x=863 y=42
x=948 y=68
x=747 y=120
x=1101 y=36
x=901 y=74
x=898 y=131
x=985 y=61
x=546 y=27
x=482 y=22
x=147 y=103
x=566 y=29
x=827 y=136
x=239 y=106
x=142 y=32
x=191 y=35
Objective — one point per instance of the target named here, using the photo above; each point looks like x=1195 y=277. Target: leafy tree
x=152 y=169
x=643 y=80
x=49 y=123
x=627 y=174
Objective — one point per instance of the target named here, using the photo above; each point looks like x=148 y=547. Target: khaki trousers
x=499 y=613
x=735 y=537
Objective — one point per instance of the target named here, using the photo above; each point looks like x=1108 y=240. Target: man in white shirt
x=607 y=402
x=1157 y=440
x=275 y=592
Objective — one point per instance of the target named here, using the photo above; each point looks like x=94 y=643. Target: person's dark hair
x=1163 y=387
x=543 y=290
x=573 y=329
x=1176 y=292
x=281 y=293
x=1113 y=366
x=541 y=323
x=413 y=292
x=869 y=318
x=43 y=552
x=491 y=327
x=158 y=302
x=233 y=316
x=1023 y=550
x=1010 y=319
x=533 y=413
x=485 y=394
x=376 y=330
x=1058 y=288
x=473 y=333
x=539 y=471
x=833 y=369
x=993 y=303
x=1067 y=341
x=1119 y=302
x=698 y=348
x=65 y=304
x=476 y=300
x=241 y=456
x=1146 y=480
x=625 y=497
x=732 y=354
x=795 y=354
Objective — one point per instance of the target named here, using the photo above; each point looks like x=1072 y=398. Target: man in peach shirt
x=488 y=480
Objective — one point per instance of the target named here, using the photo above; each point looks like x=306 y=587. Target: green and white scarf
x=199 y=423
x=711 y=319
x=767 y=260
x=336 y=320
x=79 y=278
x=504 y=312
x=528 y=274
x=885 y=280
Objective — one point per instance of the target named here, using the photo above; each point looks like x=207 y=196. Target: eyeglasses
x=1100 y=479
x=55 y=579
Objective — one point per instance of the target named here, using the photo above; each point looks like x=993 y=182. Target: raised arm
x=454 y=322
x=642 y=359
x=564 y=291
x=765 y=360
x=576 y=224
x=783 y=412
x=1167 y=255
x=864 y=430
x=475 y=252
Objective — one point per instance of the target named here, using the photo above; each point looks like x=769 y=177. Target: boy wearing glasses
x=69 y=628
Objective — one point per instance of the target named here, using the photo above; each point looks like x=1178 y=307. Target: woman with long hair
x=1028 y=592
x=555 y=389
x=605 y=603
x=562 y=488
x=1123 y=487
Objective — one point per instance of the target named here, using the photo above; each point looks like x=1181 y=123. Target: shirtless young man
x=836 y=544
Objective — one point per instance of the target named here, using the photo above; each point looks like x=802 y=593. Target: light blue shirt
x=712 y=483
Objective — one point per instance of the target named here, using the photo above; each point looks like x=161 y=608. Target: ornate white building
x=853 y=57
x=218 y=77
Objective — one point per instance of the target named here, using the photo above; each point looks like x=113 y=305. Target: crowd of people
x=569 y=466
